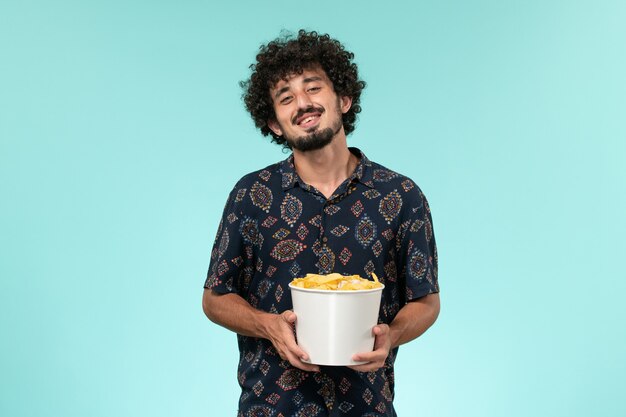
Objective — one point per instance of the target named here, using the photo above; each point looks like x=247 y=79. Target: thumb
x=290 y=316
x=378 y=330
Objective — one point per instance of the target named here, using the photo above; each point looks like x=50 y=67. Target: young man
x=326 y=208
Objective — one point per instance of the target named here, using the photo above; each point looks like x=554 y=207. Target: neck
x=326 y=168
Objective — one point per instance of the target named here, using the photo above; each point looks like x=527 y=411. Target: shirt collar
x=362 y=172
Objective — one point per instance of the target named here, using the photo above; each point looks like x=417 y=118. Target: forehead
x=313 y=73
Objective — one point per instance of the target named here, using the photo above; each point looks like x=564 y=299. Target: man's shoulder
x=397 y=189
x=270 y=176
x=383 y=178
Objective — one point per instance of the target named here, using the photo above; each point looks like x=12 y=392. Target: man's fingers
x=306 y=366
x=297 y=356
x=380 y=352
x=366 y=357
x=362 y=368
x=297 y=351
x=373 y=360
x=289 y=349
x=367 y=367
x=297 y=362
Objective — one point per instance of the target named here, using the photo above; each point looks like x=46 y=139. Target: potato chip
x=335 y=282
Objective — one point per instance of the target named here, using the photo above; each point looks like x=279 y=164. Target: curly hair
x=288 y=55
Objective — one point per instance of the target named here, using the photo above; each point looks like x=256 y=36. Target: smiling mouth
x=309 y=118
x=309 y=121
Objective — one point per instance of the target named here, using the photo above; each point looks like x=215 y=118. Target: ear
x=345 y=103
x=274 y=127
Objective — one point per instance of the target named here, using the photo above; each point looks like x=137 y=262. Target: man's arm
x=234 y=313
x=411 y=321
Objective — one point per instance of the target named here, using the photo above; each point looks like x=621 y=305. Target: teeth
x=307 y=120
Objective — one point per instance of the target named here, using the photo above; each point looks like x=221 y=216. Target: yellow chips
x=336 y=281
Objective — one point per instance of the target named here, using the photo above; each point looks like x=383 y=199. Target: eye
x=286 y=100
x=314 y=89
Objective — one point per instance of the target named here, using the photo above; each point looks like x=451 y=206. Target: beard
x=317 y=138
x=313 y=141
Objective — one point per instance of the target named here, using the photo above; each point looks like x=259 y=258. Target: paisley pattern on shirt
x=276 y=227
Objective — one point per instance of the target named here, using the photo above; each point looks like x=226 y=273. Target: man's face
x=308 y=111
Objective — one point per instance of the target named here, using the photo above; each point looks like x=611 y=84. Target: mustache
x=310 y=109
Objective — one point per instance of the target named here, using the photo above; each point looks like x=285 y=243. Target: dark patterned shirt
x=275 y=228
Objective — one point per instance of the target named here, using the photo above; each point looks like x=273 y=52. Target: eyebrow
x=305 y=81
x=282 y=90
x=311 y=79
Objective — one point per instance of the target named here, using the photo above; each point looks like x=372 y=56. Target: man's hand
x=375 y=359
x=280 y=332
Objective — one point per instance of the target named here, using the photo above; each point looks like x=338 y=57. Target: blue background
x=122 y=132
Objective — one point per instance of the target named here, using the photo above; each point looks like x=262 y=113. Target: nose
x=303 y=100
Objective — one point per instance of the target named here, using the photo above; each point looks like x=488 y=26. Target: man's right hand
x=280 y=331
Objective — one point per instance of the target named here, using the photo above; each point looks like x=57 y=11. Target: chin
x=312 y=142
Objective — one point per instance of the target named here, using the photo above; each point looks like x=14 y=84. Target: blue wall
x=122 y=131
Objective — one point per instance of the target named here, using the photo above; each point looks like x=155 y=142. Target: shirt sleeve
x=418 y=249
x=228 y=259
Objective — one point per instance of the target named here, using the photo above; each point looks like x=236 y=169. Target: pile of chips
x=336 y=281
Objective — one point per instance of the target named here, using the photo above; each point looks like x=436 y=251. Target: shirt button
x=324 y=239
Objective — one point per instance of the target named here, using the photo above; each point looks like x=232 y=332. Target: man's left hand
x=376 y=358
